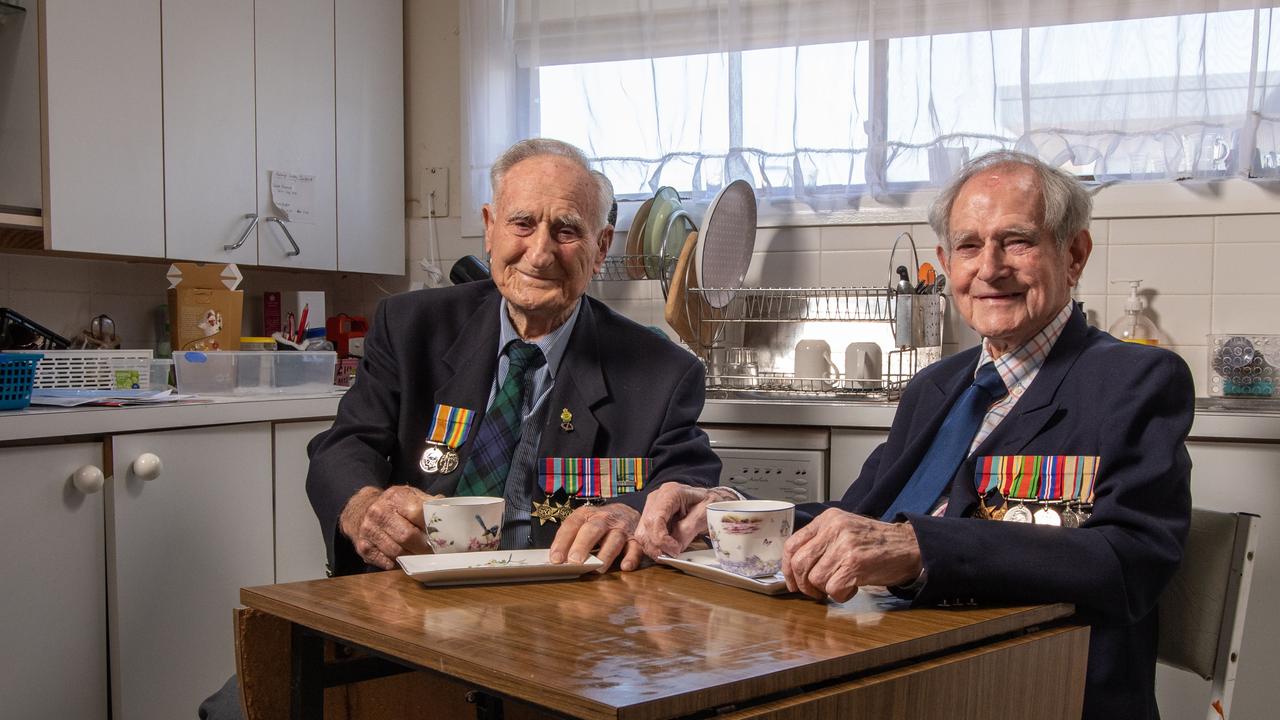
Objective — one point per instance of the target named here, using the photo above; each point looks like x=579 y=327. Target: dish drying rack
x=738 y=328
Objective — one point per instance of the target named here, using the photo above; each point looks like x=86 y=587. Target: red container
x=342 y=328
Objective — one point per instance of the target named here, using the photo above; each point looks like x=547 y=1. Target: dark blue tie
x=950 y=446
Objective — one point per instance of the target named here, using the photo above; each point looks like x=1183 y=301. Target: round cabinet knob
x=88 y=479
x=147 y=466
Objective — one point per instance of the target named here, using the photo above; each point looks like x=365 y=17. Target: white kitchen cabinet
x=209 y=148
x=104 y=166
x=294 y=50
x=370 y=124
x=850 y=448
x=300 y=553
x=53 y=607
x=180 y=547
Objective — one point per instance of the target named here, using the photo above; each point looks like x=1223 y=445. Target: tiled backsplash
x=1199 y=276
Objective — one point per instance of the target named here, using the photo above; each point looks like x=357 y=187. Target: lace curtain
x=825 y=102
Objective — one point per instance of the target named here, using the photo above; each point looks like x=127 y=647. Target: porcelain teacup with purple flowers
x=748 y=535
x=463 y=524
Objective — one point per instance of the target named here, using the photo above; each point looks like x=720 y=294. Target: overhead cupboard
x=261 y=132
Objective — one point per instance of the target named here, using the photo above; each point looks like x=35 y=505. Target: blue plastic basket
x=17 y=374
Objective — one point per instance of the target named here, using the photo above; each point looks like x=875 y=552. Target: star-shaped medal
x=551 y=510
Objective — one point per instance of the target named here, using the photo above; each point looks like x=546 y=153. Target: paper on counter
x=64 y=397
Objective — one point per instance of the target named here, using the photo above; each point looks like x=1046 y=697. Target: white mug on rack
x=814 y=369
x=862 y=362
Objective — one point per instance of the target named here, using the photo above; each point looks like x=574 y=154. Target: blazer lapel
x=580 y=389
x=473 y=358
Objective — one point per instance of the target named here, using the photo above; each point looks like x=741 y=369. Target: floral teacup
x=748 y=534
x=463 y=524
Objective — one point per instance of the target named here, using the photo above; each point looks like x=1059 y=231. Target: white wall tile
x=625 y=290
x=1094 y=278
x=1235 y=265
x=1197 y=360
x=1173 y=269
x=1095 y=309
x=128 y=278
x=643 y=312
x=66 y=313
x=788 y=239
x=1246 y=314
x=134 y=317
x=863 y=237
x=1161 y=231
x=859 y=268
x=450 y=242
x=789 y=269
x=1184 y=319
x=32 y=272
x=1246 y=228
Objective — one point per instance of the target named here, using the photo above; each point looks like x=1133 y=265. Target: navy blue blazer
x=1132 y=406
x=632 y=393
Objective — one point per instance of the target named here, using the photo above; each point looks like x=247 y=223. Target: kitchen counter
x=1215 y=420
x=50 y=422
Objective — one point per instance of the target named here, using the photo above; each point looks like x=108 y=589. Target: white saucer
x=702 y=563
x=495 y=566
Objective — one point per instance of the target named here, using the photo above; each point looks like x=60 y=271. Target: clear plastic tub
x=1244 y=365
x=254 y=372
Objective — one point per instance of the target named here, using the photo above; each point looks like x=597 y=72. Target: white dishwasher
x=773 y=463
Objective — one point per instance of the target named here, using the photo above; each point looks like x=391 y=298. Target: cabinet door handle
x=245 y=235
x=88 y=479
x=288 y=235
x=147 y=466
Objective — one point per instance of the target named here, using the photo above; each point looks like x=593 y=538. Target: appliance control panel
x=796 y=476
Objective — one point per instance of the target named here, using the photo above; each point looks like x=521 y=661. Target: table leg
x=488 y=707
x=307 y=681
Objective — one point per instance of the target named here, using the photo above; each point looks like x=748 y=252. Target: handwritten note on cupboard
x=294 y=194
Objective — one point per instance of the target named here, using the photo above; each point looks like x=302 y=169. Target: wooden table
x=660 y=644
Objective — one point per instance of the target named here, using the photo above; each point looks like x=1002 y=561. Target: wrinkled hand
x=608 y=527
x=385 y=524
x=839 y=551
x=675 y=514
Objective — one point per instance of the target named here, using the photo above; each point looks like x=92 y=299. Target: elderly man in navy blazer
x=985 y=435
x=428 y=414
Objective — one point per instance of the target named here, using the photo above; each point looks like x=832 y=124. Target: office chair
x=1202 y=611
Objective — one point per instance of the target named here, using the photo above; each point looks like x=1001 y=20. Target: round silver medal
x=430 y=462
x=1018 y=513
x=1070 y=518
x=448 y=462
x=1047 y=516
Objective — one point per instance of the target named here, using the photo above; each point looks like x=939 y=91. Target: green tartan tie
x=490 y=460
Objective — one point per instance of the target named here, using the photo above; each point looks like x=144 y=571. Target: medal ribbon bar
x=1043 y=477
x=452 y=425
x=594 y=477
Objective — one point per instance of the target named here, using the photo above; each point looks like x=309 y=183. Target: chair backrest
x=1202 y=611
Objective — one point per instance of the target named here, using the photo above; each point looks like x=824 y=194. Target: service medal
x=449 y=429
x=566 y=420
x=550 y=510
x=1070 y=518
x=1018 y=513
x=448 y=462
x=1047 y=516
x=430 y=462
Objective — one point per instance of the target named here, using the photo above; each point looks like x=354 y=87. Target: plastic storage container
x=17 y=373
x=1244 y=365
x=238 y=372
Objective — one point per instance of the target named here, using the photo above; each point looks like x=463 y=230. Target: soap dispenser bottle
x=1135 y=326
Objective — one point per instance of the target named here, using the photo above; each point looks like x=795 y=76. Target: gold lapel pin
x=566 y=420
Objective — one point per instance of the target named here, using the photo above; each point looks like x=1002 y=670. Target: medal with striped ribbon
x=449 y=430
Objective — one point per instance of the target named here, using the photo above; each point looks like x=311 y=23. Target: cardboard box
x=204 y=306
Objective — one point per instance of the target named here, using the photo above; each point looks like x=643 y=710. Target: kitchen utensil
x=21 y=333
x=665 y=203
x=675 y=312
x=728 y=239
x=679 y=225
x=862 y=365
x=635 y=241
x=814 y=369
